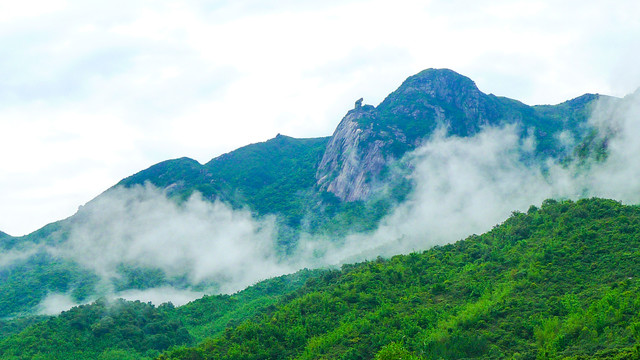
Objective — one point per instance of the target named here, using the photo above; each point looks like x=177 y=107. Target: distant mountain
x=329 y=186
x=298 y=178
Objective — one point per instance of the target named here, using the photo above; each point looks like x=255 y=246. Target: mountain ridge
x=326 y=187
x=393 y=128
x=368 y=139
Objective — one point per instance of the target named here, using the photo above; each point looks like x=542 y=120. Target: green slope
x=13 y=326
x=120 y=330
x=135 y=330
x=557 y=282
x=211 y=315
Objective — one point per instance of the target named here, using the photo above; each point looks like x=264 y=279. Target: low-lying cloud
x=207 y=242
x=462 y=186
x=55 y=303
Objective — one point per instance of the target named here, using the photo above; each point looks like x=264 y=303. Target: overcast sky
x=94 y=91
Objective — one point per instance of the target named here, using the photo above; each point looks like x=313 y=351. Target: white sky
x=94 y=91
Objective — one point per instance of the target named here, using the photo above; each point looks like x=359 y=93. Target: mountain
x=277 y=176
x=555 y=282
x=297 y=179
x=133 y=329
x=352 y=163
x=319 y=188
x=369 y=139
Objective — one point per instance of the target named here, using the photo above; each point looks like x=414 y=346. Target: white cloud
x=161 y=295
x=197 y=79
x=462 y=186
x=7 y=258
x=56 y=303
x=209 y=242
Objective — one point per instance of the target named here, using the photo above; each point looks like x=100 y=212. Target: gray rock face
x=352 y=156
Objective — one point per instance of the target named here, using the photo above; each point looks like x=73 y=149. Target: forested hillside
x=560 y=281
x=556 y=282
x=136 y=330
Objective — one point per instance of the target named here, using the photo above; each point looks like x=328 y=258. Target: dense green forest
x=557 y=282
x=135 y=330
x=560 y=281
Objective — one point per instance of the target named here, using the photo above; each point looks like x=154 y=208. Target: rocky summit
x=369 y=139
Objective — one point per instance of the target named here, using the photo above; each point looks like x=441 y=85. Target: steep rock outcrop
x=352 y=155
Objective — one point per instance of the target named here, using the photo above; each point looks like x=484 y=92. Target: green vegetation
x=211 y=315
x=25 y=283
x=13 y=326
x=135 y=330
x=557 y=282
x=273 y=177
x=123 y=330
x=277 y=177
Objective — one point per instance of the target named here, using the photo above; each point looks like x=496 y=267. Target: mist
x=9 y=257
x=463 y=186
x=55 y=303
x=206 y=242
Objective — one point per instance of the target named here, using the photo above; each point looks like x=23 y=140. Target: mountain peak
x=434 y=77
x=438 y=84
x=367 y=138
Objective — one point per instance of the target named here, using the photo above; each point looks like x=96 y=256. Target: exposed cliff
x=353 y=153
